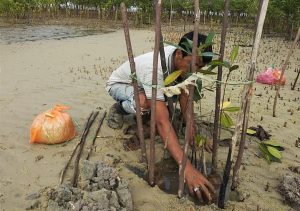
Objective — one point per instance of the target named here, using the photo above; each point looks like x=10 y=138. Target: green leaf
x=200 y=140
x=234 y=53
x=274 y=144
x=231 y=109
x=250 y=132
x=188 y=45
x=198 y=88
x=211 y=67
x=177 y=46
x=202 y=47
x=234 y=67
x=210 y=37
x=225 y=104
x=172 y=77
x=265 y=152
x=226 y=64
x=206 y=72
x=211 y=54
x=219 y=62
x=274 y=152
x=226 y=120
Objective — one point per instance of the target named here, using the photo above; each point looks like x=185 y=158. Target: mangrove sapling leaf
x=226 y=120
x=274 y=152
x=231 y=109
x=265 y=152
x=207 y=72
x=211 y=67
x=177 y=46
x=200 y=140
x=210 y=37
x=219 y=62
x=234 y=53
x=233 y=67
x=197 y=92
x=202 y=47
x=250 y=132
x=225 y=105
x=274 y=144
x=172 y=77
x=209 y=54
x=188 y=43
x=270 y=153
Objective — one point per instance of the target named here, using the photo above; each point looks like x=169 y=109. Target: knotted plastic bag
x=52 y=127
x=271 y=76
x=277 y=74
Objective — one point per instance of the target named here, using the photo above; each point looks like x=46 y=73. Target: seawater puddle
x=23 y=33
x=166 y=178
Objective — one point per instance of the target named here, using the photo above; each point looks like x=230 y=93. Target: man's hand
x=208 y=145
x=198 y=185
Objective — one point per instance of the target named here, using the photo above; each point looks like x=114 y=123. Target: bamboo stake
x=134 y=83
x=283 y=70
x=96 y=134
x=189 y=110
x=244 y=125
x=296 y=79
x=82 y=141
x=154 y=92
x=63 y=172
x=245 y=99
x=217 y=129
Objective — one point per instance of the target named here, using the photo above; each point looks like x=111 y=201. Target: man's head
x=201 y=40
x=183 y=60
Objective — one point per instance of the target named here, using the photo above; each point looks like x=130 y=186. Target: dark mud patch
x=290 y=190
x=99 y=188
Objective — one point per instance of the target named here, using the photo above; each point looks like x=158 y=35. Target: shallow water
x=23 y=33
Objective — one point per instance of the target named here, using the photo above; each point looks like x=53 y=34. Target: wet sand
x=37 y=75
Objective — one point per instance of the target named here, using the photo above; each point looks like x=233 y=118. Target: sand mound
x=99 y=188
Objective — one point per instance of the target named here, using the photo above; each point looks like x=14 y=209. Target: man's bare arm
x=193 y=177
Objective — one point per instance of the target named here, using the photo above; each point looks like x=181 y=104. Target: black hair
x=201 y=40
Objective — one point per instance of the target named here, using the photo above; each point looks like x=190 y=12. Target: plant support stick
x=134 y=83
x=96 y=134
x=82 y=142
x=246 y=96
x=283 y=70
x=218 y=90
x=189 y=110
x=154 y=92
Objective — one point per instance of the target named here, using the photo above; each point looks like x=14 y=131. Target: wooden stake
x=217 y=129
x=296 y=79
x=247 y=92
x=283 y=70
x=154 y=92
x=189 y=110
x=82 y=141
x=96 y=135
x=63 y=172
x=134 y=83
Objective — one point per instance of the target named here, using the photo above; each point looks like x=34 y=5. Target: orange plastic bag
x=52 y=127
x=277 y=73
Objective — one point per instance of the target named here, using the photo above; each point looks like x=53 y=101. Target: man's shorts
x=123 y=94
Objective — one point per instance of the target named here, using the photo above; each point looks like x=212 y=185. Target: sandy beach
x=36 y=75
